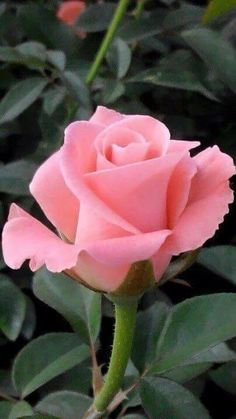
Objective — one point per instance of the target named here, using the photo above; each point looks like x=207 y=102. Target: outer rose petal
x=98 y=275
x=127 y=250
x=24 y=237
x=213 y=167
x=208 y=202
x=160 y=262
x=79 y=139
x=179 y=145
x=105 y=116
x=179 y=188
x=200 y=220
x=54 y=197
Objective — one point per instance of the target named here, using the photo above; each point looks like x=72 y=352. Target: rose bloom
x=117 y=192
x=69 y=11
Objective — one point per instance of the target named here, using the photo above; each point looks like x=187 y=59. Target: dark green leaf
x=119 y=57
x=193 y=326
x=65 y=405
x=186 y=373
x=77 y=379
x=57 y=59
x=9 y=410
x=220 y=260
x=20 y=97
x=15 y=177
x=225 y=377
x=12 y=308
x=52 y=99
x=148 y=328
x=29 y=323
x=5 y=409
x=53 y=33
x=158 y=22
x=166 y=399
x=96 y=17
x=77 y=88
x=217 y=53
x=45 y=358
x=80 y=307
x=113 y=89
x=180 y=70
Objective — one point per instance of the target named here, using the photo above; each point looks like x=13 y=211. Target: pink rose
x=69 y=12
x=119 y=191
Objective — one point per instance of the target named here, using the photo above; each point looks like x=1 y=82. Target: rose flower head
x=119 y=191
x=69 y=11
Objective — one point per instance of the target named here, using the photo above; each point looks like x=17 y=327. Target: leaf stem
x=118 y=15
x=139 y=8
x=123 y=337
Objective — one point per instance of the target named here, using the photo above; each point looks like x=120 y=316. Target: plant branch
x=108 y=38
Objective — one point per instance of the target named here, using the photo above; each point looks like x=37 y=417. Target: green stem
x=118 y=15
x=123 y=337
x=139 y=8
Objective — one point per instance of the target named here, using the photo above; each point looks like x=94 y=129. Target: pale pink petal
x=100 y=276
x=154 y=132
x=137 y=192
x=200 y=220
x=54 y=197
x=160 y=262
x=180 y=145
x=120 y=146
x=207 y=204
x=213 y=167
x=105 y=116
x=101 y=227
x=127 y=250
x=24 y=238
x=80 y=137
x=72 y=174
x=179 y=188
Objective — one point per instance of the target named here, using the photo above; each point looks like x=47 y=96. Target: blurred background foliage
x=174 y=60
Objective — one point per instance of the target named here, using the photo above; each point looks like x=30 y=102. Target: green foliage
x=12 y=308
x=80 y=306
x=175 y=61
x=220 y=260
x=45 y=358
x=166 y=399
x=65 y=404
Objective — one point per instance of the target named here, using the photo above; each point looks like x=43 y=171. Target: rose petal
x=101 y=228
x=127 y=250
x=80 y=137
x=105 y=116
x=208 y=201
x=119 y=146
x=100 y=276
x=200 y=220
x=160 y=262
x=179 y=188
x=154 y=132
x=73 y=177
x=137 y=192
x=213 y=167
x=54 y=197
x=69 y=11
x=179 y=145
x=24 y=237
